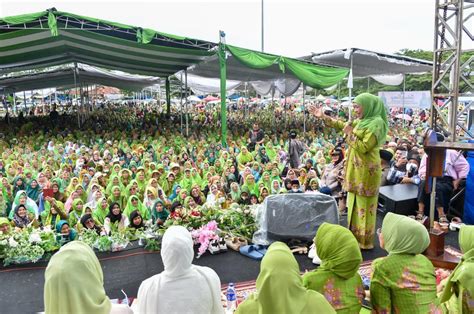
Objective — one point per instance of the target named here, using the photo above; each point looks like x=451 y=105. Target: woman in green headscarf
x=159 y=214
x=33 y=190
x=405 y=280
x=364 y=136
x=74 y=283
x=101 y=211
x=251 y=185
x=458 y=294
x=244 y=157
x=337 y=278
x=280 y=287
x=116 y=196
x=76 y=212
x=134 y=203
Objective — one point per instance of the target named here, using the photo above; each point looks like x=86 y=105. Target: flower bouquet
x=204 y=235
x=22 y=248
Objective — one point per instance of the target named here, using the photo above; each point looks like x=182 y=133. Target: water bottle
x=231 y=298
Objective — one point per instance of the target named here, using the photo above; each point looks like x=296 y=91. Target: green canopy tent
x=52 y=37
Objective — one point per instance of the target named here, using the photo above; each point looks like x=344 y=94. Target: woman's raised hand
x=317 y=111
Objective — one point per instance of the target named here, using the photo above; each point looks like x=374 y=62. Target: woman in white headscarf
x=182 y=287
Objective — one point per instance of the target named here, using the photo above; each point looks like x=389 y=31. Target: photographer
x=295 y=149
x=256 y=136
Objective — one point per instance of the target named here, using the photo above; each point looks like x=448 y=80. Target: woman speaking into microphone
x=364 y=137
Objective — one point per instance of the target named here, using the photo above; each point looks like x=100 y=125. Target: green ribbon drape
x=27 y=18
x=223 y=75
x=310 y=74
x=145 y=35
x=52 y=24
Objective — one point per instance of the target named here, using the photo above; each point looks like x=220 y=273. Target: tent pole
x=24 y=100
x=223 y=74
x=75 y=95
x=181 y=102
x=403 y=100
x=304 y=112
x=186 y=98
x=168 y=97
x=14 y=103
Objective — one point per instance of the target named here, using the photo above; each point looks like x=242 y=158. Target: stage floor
x=22 y=287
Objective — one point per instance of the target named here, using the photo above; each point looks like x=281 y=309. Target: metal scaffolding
x=451 y=77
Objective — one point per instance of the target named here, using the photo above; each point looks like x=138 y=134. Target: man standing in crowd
x=295 y=149
x=256 y=136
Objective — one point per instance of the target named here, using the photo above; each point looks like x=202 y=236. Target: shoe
x=456 y=224
x=222 y=245
x=214 y=247
x=312 y=251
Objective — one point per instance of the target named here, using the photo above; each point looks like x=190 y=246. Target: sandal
x=299 y=249
x=235 y=243
x=443 y=219
x=444 y=223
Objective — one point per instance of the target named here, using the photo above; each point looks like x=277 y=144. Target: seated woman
x=337 y=278
x=66 y=234
x=280 y=288
x=405 y=280
x=88 y=223
x=197 y=288
x=66 y=291
x=458 y=294
x=21 y=198
x=53 y=212
x=159 y=214
x=22 y=218
x=136 y=220
x=5 y=225
x=115 y=220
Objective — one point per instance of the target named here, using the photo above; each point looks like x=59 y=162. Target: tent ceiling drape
x=60 y=76
x=52 y=37
x=385 y=68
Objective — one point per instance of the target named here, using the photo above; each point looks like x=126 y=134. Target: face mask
x=295 y=190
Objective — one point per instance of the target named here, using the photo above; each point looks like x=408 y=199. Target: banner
x=417 y=99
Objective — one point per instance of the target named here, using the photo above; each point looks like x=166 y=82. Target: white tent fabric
x=205 y=85
x=368 y=63
x=285 y=87
x=392 y=80
x=63 y=76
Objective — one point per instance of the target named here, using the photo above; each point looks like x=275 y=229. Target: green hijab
x=342 y=259
x=403 y=235
x=374 y=116
x=66 y=291
x=280 y=287
x=463 y=274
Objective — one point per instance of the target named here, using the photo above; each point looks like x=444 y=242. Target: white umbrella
x=320 y=98
x=403 y=116
x=194 y=98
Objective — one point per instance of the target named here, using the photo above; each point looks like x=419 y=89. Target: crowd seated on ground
x=132 y=168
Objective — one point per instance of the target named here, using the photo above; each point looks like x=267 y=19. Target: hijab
x=21 y=222
x=66 y=291
x=33 y=193
x=374 y=116
x=114 y=218
x=342 y=259
x=463 y=274
x=134 y=214
x=403 y=235
x=199 y=286
x=163 y=215
x=280 y=287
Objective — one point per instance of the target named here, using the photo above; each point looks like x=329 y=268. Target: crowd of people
x=130 y=168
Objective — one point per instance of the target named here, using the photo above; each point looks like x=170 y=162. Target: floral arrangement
x=204 y=235
x=32 y=244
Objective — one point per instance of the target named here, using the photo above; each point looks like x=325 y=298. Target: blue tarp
x=469 y=200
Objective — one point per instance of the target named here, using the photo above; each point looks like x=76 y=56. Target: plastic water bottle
x=231 y=298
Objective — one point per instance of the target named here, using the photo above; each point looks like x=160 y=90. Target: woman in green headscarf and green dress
x=74 y=283
x=458 y=294
x=244 y=157
x=337 y=278
x=280 y=287
x=76 y=212
x=101 y=211
x=405 y=280
x=134 y=203
x=364 y=136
